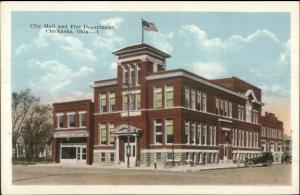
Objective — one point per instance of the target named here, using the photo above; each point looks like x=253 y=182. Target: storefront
x=72 y=147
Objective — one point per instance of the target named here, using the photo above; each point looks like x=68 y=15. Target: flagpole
x=142 y=31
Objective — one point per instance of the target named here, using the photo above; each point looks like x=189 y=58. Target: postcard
x=150 y=98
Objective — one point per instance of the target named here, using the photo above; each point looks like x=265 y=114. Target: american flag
x=148 y=26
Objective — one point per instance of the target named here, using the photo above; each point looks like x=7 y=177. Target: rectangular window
x=112 y=156
x=158 y=156
x=132 y=76
x=71 y=120
x=233 y=137
x=236 y=137
x=102 y=156
x=187 y=133
x=193 y=99
x=111 y=135
x=169 y=96
x=204 y=135
x=193 y=133
x=251 y=140
x=242 y=113
x=125 y=103
x=169 y=130
x=217 y=106
x=138 y=101
x=132 y=101
x=230 y=109
x=247 y=144
x=215 y=135
x=204 y=103
x=103 y=103
x=187 y=97
x=221 y=107
x=126 y=76
x=169 y=156
x=157 y=97
x=59 y=119
x=240 y=138
x=138 y=75
x=243 y=138
x=225 y=108
x=112 y=102
x=198 y=137
x=209 y=134
x=82 y=119
x=103 y=134
x=158 y=131
x=198 y=100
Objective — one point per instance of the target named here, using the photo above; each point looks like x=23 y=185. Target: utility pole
x=128 y=148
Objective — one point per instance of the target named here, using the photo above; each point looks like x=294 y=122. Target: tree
x=37 y=131
x=22 y=107
x=31 y=122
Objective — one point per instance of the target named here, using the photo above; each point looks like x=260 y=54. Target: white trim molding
x=103 y=84
x=71 y=134
x=177 y=150
x=224 y=120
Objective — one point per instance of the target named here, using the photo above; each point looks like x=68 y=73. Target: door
x=81 y=154
x=226 y=142
x=225 y=152
x=132 y=154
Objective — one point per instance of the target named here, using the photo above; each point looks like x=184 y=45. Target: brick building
x=272 y=135
x=175 y=116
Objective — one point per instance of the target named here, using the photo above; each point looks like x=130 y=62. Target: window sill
x=131 y=113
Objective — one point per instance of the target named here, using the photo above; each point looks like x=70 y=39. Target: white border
x=8 y=7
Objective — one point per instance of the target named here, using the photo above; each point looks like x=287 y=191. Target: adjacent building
x=160 y=116
x=287 y=144
x=272 y=135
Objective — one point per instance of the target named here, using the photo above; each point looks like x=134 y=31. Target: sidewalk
x=186 y=168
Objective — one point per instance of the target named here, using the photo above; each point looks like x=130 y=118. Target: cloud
x=202 y=37
x=258 y=34
x=273 y=90
x=113 y=66
x=115 y=22
x=208 y=70
x=57 y=75
x=284 y=56
x=21 y=49
x=70 y=44
x=108 y=41
x=162 y=41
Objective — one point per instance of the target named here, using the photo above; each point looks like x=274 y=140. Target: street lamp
x=128 y=149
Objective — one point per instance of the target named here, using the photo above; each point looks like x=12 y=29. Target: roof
x=140 y=47
x=71 y=102
x=232 y=79
x=185 y=73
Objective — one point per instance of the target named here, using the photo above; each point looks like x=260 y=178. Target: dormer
x=138 y=61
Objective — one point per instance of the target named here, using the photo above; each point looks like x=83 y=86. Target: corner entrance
x=122 y=147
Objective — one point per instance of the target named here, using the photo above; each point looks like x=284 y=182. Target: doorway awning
x=123 y=129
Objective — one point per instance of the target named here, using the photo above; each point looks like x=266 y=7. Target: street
x=43 y=174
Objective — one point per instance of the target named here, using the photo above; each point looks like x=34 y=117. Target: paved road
x=276 y=175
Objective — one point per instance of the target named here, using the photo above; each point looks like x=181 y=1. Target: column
x=117 y=150
x=136 y=146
